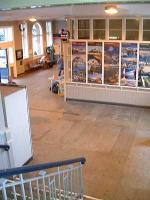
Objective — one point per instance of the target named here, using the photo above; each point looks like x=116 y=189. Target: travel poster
x=128 y=64
x=144 y=66
x=95 y=62
x=79 y=62
x=111 y=63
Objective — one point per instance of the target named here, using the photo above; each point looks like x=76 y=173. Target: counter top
x=6 y=90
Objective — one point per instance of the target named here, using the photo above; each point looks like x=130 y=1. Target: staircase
x=58 y=180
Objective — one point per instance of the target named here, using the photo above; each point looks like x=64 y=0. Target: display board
x=144 y=66
x=111 y=63
x=95 y=62
x=79 y=62
x=124 y=64
x=128 y=64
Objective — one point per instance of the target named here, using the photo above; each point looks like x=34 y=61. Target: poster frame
x=112 y=85
x=94 y=54
x=79 y=41
x=147 y=88
x=127 y=86
x=107 y=85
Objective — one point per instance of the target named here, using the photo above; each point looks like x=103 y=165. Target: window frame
x=93 y=29
x=40 y=35
x=144 y=18
x=49 y=34
x=139 y=31
x=83 y=29
x=12 y=38
x=24 y=35
x=115 y=29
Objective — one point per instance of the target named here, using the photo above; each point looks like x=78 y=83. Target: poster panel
x=79 y=62
x=128 y=64
x=144 y=66
x=111 y=63
x=3 y=58
x=95 y=62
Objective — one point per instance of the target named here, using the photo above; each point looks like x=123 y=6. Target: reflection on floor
x=114 y=139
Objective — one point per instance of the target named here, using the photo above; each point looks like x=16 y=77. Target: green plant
x=50 y=50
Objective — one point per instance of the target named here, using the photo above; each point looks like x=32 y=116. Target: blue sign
x=4 y=74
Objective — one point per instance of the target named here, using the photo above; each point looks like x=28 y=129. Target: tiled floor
x=114 y=139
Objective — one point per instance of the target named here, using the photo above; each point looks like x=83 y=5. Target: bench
x=35 y=64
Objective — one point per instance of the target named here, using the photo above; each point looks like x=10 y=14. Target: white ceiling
x=61 y=12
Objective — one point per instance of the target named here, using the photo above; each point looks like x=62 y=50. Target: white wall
x=2 y=122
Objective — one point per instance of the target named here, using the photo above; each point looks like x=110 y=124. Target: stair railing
x=56 y=180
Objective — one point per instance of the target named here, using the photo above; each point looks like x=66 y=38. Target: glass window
x=83 y=24
x=83 y=29
x=49 y=33
x=99 y=29
x=24 y=34
x=115 y=29
x=132 y=24
x=83 y=34
x=10 y=55
x=146 y=29
x=6 y=34
x=99 y=34
x=132 y=29
x=99 y=24
x=37 y=39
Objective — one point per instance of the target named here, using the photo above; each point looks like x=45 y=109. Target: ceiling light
x=33 y=6
x=5 y=9
x=32 y=19
x=111 y=10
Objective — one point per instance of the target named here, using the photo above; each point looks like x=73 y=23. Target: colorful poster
x=128 y=64
x=111 y=63
x=95 y=62
x=144 y=66
x=79 y=62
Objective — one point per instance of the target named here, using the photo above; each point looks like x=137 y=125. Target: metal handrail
x=5 y=147
x=26 y=169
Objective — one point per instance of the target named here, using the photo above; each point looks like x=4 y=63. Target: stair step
x=85 y=197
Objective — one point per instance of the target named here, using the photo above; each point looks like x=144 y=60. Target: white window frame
x=115 y=29
x=40 y=35
x=8 y=36
x=84 y=29
x=49 y=34
x=24 y=34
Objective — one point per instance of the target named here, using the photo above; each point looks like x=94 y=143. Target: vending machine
x=4 y=70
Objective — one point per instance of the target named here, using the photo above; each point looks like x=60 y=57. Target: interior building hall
x=75 y=100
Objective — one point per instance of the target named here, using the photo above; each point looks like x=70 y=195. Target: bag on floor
x=55 y=87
